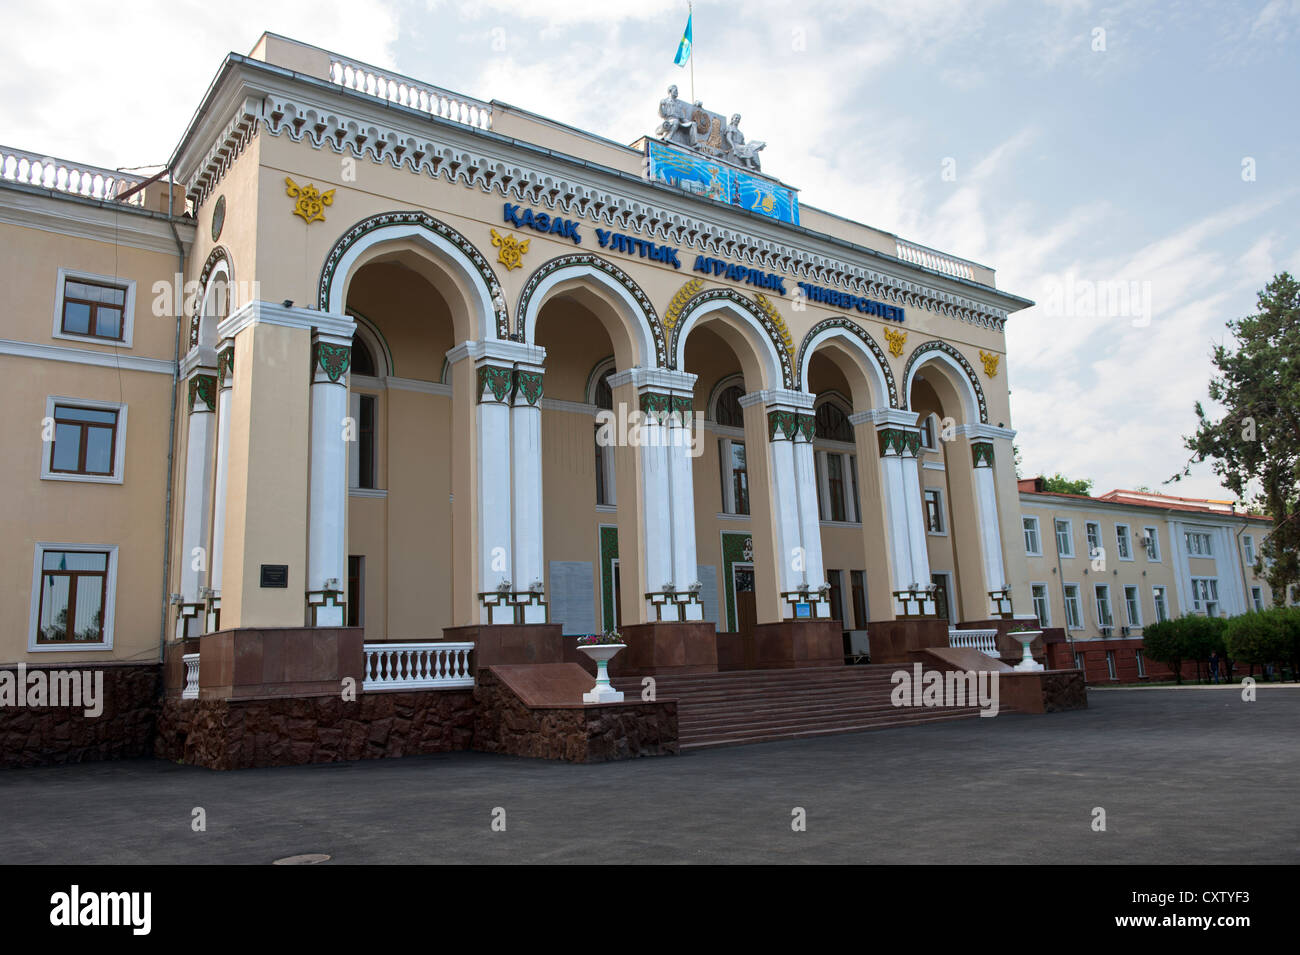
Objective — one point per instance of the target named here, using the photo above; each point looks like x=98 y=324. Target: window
x=1110 y=664
x=836 y=596
x=1205 y=595
x=1142 y=664
x=832 y=423
x=1162 y=607
x=72 y=597
x=1123 y=542
x=1093 y=530
x=1133 y=606
x=1073 y=610
x=86 y=440
x=927 y=433
x=728 y=411
x=1102 y=592
x=363 y=362
x=1248 y=545
x=1064 y=538
x=1198 y=544
x=1257 y=597
x=606 y=494
x=934 y=510
x=735 y=478
x=835 y=505
x=1041 y=607
x=1033 y=546
x=94 y=308
x=1152 y=543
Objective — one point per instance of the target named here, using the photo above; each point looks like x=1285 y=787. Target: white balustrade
x=985 y=641
x=935 y=260
x=191 y=691
x=78 y=179
x=405 y=91
x=417 y=666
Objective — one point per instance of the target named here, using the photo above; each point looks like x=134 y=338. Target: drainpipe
x=171 y=431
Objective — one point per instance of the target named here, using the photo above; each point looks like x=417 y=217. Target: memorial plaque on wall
x=275 y=575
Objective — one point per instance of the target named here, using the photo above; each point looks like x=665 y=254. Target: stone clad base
x=511 y=643
x=240 y=734
x=666 y=648
x=797 y=643
x=534 y=711
x=1043 y=691
x=904 y=641
x=46 y=735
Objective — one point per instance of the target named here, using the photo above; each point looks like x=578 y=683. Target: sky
x=1134 y=168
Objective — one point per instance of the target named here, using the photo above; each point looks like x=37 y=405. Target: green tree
x=1163 y=642
x=1060 y=484
x=1258 y=437
x=1263 y=637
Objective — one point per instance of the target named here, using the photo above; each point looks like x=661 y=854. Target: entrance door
x=746 y=607
x=941 y=605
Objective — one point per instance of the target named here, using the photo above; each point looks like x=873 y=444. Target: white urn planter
x=1026 y=637
x=602 y=692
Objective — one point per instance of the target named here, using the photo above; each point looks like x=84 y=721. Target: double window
x=1093 y=531
x=837 y=471
x=1257 y=597
x=1102 y=592
x=1133 y=606
x=94 y=308
x=1248 y=545
x=1124 y=543
x=1064 y=538
x=1033 y=544
x=85 y=440
x=1073 y=609
x=735 y=477
x=1042 y=608
x=72 y=596
x=1152 y=543
x=1198 y=544
x=1205 y=595
x=1161 y=603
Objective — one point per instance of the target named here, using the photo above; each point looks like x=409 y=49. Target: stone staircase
x=755 y=706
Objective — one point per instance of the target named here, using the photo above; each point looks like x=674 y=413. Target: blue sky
x=1079 y=157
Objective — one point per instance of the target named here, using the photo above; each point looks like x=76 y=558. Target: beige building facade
x=437 y=363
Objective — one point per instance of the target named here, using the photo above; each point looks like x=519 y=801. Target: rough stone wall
x=239 y=734
x=579 y=734
x=48 y=735
x=1064 y=690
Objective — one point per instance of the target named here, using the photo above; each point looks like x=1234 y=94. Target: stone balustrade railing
x=936 y=261
x=408 y=92
x=78 y=179
x=191 y=691
x=986 y=641
x=417 y=666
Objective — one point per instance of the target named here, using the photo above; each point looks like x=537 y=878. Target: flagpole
x=690 y=18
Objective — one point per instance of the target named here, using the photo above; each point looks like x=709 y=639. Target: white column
x=225 y=384
x=810 y=528
x=990 y=531
x=899 y=441
x=526 y=499
x=681 y=430
x=201 y=392
x=495 y=540
x=656 y=494
x=327 y=491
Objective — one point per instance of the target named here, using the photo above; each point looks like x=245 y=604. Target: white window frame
x=1069 y=535
x=1044 y=619
x=1160 y=600
x=1154 y=534
x=1096 y=599
x=1201 y=537
x=726 y=475
x=1257 y=598
x=110 y=598
x=1141 y=663
x=1124 y=542
x=1077 y=602
x=1134 y=620
x=119 y=446
x=1038 y=536
x=128 y=309
x=1248 y=547
x=1093 y=539
x=1202 y=596
x=1110 y=665
x=848 y=482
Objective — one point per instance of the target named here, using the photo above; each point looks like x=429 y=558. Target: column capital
x=982 y=454
x=886 y=417
x=202 y=388
x=786 y=425
x=226 y=364
x=659 y=380
x=985 y=431
x=494 y=351
x=330 y=361
x=779 y=399
x=901 y=441
x=258 y=312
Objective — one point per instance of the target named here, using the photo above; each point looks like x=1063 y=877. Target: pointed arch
x=452 y=249
x=217 y=262
x=771 y=339
x=967 y=382
x=844 y=329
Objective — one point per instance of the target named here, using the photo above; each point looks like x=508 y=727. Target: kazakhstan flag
x=684 y=48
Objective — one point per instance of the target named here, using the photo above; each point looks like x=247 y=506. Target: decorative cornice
x=335 y=328
x=897 y=417
x=659 y=379
x=780 y=398
x=225 y=149
x=491 y=164
x=990 y=431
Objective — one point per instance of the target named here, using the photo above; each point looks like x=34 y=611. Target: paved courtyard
x=1184 y=775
